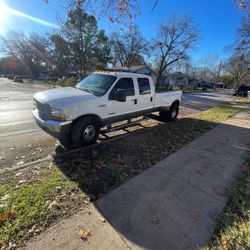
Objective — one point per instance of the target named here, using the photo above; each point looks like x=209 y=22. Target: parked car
x=18 y=79
x=242 y=90
x=102 y=98
x=10 y=76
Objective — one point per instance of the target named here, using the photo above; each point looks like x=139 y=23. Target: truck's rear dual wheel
x=85 y=131
x=171 y=114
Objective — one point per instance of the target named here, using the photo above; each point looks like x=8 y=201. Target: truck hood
x=62 y=96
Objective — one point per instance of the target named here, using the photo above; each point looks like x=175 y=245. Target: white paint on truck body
x=76 y=103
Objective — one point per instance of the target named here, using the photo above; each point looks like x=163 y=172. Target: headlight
x=57 y=115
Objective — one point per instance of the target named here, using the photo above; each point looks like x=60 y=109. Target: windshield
x=97 y=84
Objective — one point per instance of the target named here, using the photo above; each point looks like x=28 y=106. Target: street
x=21 y=140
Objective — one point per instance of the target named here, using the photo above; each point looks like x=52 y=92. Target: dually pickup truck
x=102 y=98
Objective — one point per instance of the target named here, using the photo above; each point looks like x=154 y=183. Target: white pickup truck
x=100 y=99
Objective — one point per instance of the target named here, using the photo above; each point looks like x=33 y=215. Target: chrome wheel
x=174 y=113
x=89 y=133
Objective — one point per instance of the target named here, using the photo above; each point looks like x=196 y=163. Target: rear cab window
x=144 y=86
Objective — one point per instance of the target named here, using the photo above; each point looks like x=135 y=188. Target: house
x=177 y=78
x=140 y=69
x=211 y=85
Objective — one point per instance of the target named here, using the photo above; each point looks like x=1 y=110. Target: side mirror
x=119 y=95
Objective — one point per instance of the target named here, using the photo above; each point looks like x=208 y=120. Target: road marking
x=15 y=123
x=19 y=132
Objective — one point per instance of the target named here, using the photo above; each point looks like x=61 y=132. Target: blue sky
x=217 y=20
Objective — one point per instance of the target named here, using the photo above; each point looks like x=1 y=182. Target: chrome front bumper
x=55 y=128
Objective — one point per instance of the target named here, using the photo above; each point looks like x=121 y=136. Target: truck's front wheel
x=85 y=131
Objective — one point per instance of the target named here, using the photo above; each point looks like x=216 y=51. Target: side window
x=125 y=83
x=144 y=86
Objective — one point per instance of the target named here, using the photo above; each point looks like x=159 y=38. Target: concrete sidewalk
x=172 y=205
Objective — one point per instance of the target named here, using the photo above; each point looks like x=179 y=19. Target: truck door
x=145 y=95
x=116 y=109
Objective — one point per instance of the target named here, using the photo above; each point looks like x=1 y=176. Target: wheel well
x=176 y=102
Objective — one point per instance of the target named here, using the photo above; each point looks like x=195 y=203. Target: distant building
x=177 y=78
x=140 y=69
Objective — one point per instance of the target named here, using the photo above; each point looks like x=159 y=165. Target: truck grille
x=43 y=109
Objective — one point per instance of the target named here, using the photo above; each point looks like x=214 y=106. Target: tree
x=239 y=67
x=243 y=42
x=176 y=38
x=11 y=65
x=210 y=68
x=88 y=47
x=30 y=50
x=227 y=79
x=59 y=54
x=128 y=48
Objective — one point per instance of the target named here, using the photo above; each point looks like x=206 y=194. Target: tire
x=66 y=143
x=171 y=114
x=85 y=131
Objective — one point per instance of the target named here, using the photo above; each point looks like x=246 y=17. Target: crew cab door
x=145 y=95
x=117 y=110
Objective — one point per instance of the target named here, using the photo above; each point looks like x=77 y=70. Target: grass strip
x=233 y=225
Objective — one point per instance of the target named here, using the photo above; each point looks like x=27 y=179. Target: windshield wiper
x=87 y=90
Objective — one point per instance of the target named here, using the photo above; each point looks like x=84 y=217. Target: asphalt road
x=21 y=140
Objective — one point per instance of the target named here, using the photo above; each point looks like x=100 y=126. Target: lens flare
x=5 y=10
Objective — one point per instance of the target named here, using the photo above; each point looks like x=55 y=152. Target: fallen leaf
x=102 y=220
x=124 y=176
x=5 y=197
x=124 y=194
x=86 y=200
x=217 y=190
x=155 y=220
x=193 y=215
x=11 y=246
x=2 y=218
x=50 y=165
x=22 y=181
x=23 y=156
x=9 y=214
x=53 y=204
x=32 y=229
x=84 y=234
x=20 y=163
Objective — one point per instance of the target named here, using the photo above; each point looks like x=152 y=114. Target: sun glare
x=2 y=12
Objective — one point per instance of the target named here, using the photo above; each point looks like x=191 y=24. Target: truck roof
x=121 y=73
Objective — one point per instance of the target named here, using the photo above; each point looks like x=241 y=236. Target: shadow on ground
x=98 y=170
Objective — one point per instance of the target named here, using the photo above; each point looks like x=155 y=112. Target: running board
x=126 y=125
